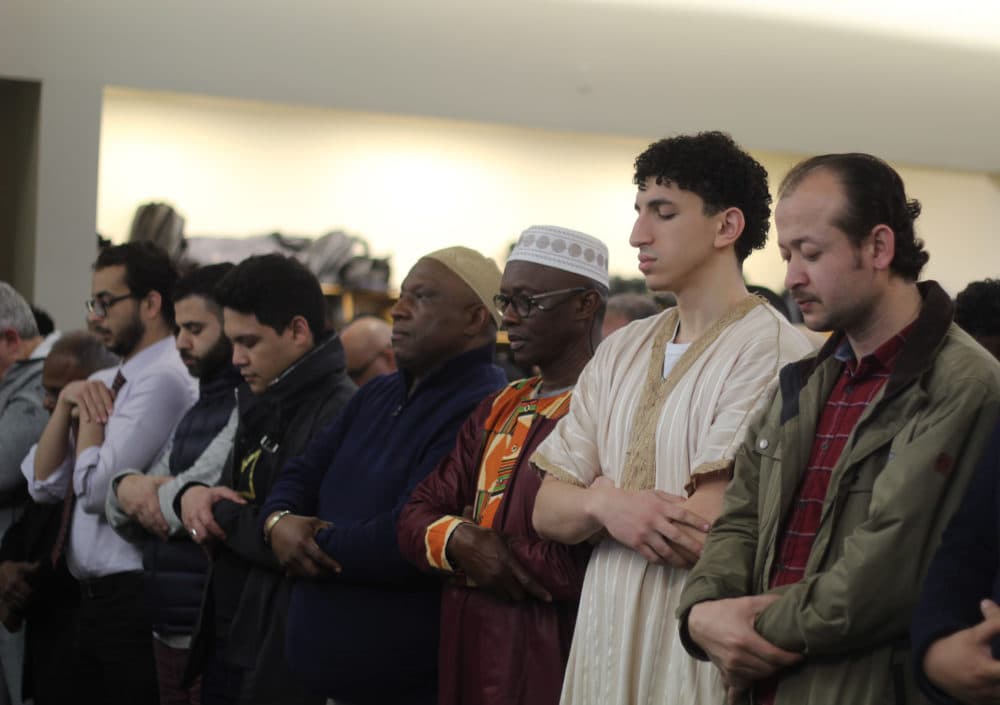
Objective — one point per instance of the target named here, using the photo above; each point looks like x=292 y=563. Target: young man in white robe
x=640 y=464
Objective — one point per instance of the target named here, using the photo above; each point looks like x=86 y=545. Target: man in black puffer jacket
x=273 y=312
x=140 y=506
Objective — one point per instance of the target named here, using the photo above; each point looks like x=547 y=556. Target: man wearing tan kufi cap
x=363 y=623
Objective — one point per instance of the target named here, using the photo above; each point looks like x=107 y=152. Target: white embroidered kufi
x=562 y=248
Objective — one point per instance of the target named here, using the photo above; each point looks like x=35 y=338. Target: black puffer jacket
x=175 y=569
x=248 y=594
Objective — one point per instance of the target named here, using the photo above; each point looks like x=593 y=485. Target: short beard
x=209 y=364
x=126 y=342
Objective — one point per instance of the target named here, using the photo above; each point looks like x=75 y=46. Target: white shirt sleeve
x=53 y=488
x=140 y=425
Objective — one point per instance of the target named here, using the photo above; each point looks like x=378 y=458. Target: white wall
x=411 y=185
x=790 y=81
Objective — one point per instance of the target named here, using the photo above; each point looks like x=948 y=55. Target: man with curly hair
x=977 y=312
x=805 y=589
x=640 y=463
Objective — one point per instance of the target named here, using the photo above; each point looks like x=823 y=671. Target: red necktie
x=70 y=499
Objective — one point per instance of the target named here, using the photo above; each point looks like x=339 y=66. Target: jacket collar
x=224 y=380
x=919 y=351
x=326 y=359
x=445 y=374
x=307 y=373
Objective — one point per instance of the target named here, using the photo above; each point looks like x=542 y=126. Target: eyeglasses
x=524 y=305
x=99 y=305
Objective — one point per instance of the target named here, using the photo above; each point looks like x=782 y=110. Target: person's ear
x=731 y=224
x=476 y=321
x=588 y=304
x=151 y=305
x=883 y=246
x=300 y=331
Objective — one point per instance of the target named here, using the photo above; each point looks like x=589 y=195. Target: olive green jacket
x=899 y=479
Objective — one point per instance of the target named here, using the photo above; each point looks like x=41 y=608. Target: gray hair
x=16 y=313
x=632 y=307
x=87 y=349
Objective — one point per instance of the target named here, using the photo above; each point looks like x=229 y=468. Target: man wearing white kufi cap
x=509 y=607
x=641 y=462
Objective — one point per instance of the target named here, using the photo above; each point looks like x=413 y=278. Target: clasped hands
x=654 y=523
x=89 y=400
x=139 y=497
x=484 y=557
x=196 y=511
x=15 y=586
x=725 y=630
x=293 y=541
x=962 y=663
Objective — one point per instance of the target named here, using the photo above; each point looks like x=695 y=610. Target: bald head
x=625 y=308
x=368 y=348
x=74 y=356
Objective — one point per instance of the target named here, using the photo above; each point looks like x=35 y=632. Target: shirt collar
x=882 y=358
x=148 y=356
x=46 y=345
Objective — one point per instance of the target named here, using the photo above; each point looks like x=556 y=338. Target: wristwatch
x=272 y=521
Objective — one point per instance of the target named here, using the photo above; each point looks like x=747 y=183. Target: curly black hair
x=712 y=166
x=275 y=289
x=977 y=308
x=875 y=196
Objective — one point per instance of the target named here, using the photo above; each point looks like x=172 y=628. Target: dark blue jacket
x=175 y=569
x=965 y=569
x=370 y=635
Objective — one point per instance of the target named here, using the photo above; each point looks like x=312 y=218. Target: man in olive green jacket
x=804 y=591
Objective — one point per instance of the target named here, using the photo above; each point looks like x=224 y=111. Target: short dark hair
x=202 y=282
x=43 y=320
x=275 y=289
x=977 y=308
x=87 y=349
x=712 y=166
x=875 y=196
x=147 y=268
x=772 y=298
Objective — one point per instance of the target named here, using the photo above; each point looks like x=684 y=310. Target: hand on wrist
x=272 y=521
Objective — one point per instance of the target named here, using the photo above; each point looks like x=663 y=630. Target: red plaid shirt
x=857 y=385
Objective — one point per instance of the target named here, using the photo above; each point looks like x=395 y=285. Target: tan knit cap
x=481 y=273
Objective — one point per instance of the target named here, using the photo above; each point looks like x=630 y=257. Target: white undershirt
x=673 y=352
x=672 y=355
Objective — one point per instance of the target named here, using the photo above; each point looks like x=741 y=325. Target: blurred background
x=416 y=125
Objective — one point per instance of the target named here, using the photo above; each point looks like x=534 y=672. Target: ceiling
x=916 y=83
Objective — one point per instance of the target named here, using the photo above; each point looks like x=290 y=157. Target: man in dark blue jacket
x=363 y=622
x=140 y=505
x=956 y=626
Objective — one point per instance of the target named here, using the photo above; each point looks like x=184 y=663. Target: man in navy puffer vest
x=140 y=506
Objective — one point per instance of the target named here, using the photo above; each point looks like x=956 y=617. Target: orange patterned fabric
x=436 y=540
x=505 y=432
x=507 y=429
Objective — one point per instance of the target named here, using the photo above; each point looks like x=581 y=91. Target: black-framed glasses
x=99 y=305
x=524 y=305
